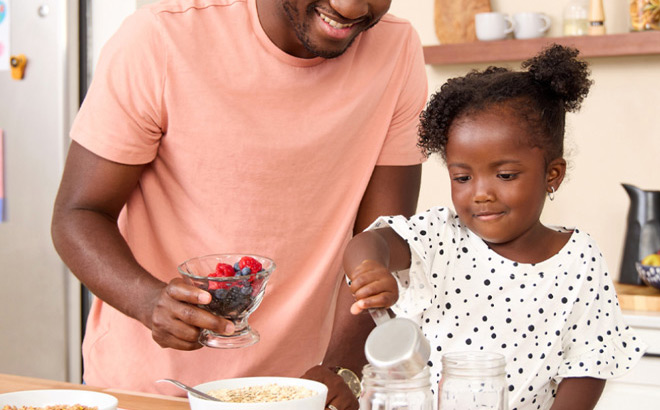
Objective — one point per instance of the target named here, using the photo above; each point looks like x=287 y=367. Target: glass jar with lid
x=383 y=390
x=576 y=18
x=644 y=15
x=473 y=380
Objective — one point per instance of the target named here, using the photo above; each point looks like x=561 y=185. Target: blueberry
x=236 y=268
x=245 y=271
x=246 y=290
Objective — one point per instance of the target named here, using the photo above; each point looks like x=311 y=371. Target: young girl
x=490 y=276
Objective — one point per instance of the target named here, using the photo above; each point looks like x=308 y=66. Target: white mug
x=530 y=25
x=492 y=26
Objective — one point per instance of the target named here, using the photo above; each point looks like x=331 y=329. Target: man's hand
x=177 y=321
x=373 y=286
x=339 y=394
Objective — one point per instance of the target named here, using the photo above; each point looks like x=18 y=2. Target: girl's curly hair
x=552 y=83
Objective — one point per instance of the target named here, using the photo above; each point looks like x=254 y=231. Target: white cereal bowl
x=43 y=398
x=315 y=402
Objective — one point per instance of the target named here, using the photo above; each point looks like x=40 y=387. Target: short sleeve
x=400 y=146
x=596 y=341
x=421 y=232
x=122 y=118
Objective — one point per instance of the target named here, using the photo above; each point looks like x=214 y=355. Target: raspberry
x=220 y=272
x=224 y=270
x=250 y=262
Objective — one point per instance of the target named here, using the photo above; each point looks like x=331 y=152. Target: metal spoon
x=187 y=388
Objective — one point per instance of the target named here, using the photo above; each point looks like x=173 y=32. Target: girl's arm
x=578 y=393
x=368 y=260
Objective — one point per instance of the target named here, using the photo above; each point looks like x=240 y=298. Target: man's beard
x=301 y=30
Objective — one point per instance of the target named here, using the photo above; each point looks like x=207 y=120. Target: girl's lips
x=488 y=216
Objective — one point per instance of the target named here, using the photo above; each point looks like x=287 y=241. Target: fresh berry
x=220 y=293
x=224 y=270
x=250 y=262
x=236 y=267
x=245 y=271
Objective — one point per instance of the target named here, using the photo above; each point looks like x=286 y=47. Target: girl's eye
x=507 y=176
x=461 y=178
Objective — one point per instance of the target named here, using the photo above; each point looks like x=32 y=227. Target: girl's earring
x=551 y=194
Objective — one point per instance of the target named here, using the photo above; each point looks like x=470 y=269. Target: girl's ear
x=555 y=174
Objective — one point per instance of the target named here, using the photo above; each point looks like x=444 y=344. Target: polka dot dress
x=554 y=319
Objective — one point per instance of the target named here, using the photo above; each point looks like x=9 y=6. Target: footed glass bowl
x=237 y=283
x=649 y=274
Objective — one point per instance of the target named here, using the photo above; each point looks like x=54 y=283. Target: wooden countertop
x=127 y=400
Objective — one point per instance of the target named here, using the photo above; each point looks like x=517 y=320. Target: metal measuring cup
x=396 y=344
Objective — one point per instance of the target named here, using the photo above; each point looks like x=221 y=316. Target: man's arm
x=578 y=393
x=84 y=228
x=392 y=190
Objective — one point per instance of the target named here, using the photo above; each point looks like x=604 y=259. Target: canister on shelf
x=576 y=18
x=596 y=18
x=644 y=15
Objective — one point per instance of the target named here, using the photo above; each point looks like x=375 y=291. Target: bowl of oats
x=261 y=393
x=57 y=399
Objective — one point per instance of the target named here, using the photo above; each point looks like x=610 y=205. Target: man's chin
x=328 y=53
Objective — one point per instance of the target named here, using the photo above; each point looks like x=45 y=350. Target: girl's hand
x=373 y=286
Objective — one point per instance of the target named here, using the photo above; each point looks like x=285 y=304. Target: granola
x=262 y=394
x=55 y=407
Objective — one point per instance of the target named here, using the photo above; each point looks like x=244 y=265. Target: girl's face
x=498 y=181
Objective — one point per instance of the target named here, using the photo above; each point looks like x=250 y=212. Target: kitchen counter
x=127 y=400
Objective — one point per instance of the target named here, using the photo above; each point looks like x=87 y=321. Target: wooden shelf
x=610 y=45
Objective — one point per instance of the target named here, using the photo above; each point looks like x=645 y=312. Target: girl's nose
x=350 y=9
x=482 y=193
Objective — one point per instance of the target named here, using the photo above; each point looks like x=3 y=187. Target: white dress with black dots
x=554 y=319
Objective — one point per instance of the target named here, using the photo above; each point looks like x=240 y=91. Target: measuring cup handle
x=379 y=316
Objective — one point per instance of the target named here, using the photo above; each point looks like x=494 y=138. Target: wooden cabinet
x=610 y=45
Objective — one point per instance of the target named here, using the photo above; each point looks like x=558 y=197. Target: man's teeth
x=333 y=23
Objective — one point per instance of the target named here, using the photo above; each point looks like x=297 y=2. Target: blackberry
x=230 y=302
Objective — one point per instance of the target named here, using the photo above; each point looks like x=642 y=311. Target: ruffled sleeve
x=596 y=342
x=422 y=233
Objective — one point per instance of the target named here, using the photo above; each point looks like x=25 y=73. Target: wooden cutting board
x=454 y=20
x=638 y=297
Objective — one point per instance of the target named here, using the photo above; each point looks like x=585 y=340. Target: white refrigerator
x=40 y=300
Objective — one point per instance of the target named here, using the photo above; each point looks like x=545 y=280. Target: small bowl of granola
x=57 y=399
x=261 y=393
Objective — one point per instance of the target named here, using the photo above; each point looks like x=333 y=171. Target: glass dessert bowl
x=237 y=283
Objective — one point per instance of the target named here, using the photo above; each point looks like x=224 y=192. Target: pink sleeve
x=401 y=144
x=122 y=117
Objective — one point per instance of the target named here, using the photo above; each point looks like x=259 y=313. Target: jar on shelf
x=576 y=18
x=383 y=390
x=473 y=381
x=644 y=15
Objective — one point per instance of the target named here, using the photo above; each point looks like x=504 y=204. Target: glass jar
x=383 y=390
x=644 y=15
x=473 y=380
x=576 y=18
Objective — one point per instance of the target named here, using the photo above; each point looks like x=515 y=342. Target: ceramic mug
x=492 y=26
x=530 y=25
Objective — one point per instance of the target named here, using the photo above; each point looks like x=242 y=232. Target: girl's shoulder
x=579 y=239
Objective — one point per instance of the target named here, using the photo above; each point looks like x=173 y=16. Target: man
x=272 y=127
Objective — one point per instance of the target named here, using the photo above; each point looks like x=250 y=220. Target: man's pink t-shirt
x=250 y=150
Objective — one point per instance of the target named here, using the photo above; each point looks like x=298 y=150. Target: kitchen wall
x=615 y=138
